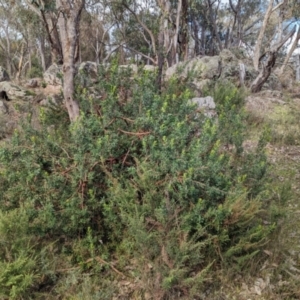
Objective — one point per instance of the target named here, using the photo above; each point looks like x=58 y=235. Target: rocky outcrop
x=14 y=91
x=53 y=75
x=226 y=66
x=200 y=68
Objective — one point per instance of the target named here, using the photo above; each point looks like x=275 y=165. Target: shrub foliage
x=142 y=179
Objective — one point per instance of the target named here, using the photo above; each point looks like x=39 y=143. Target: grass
x=279 y=275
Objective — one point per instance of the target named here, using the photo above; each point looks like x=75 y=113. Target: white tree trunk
x=292 y=49
x=261 y=34
x=268 y=66
x=69 y=17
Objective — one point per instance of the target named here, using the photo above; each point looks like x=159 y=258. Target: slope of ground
x=279 y=276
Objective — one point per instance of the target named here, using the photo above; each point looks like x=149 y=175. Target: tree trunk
x=160 y=56
x=184 y=36
x=258 y=44
x=69 y=18
x=264 y=74
x=20 y=65
x=175 y=59
x=269 y=65
x=41 y=49
x=212 y=19
x=53 y=37
x=287 y=58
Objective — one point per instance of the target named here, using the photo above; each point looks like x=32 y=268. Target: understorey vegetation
x=142 y=189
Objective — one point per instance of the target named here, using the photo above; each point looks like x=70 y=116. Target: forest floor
x=278 y=277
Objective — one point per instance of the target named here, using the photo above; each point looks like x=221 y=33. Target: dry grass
x=278 y=276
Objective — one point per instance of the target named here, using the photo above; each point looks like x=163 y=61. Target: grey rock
x=150 y=68
x=205 y=104
x=132 y=67
x=14 y=91
x=87 y=73
x=89 y=68
x=207 y=67
x=226 y=66
x=53 y=75
x=33 y=83
x=51 y=100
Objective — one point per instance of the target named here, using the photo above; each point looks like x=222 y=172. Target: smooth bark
x=292 y=49
x=258 y=45
x=68 y=23
x=268 y=66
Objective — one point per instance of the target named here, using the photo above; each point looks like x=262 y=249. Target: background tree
x=68 y=23
x=266 y=50
x=46 y=11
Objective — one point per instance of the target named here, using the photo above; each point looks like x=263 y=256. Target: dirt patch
x=51 y=90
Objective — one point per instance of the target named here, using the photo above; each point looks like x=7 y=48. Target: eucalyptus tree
x=61 y=19
x=10 y=36
x=94 y=36
x=157 y=30
x=34 y=58
x=267 y=48
x=244 y=17
x=48 y=14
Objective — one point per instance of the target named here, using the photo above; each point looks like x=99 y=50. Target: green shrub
x=142 y=176
x=35 y=72
x=36 y=69
x=17 y=258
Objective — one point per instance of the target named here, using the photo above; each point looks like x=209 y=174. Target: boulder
x=225 y=66
x=33 y=83
x=205 y=104
x=53 y=75
x=132 y=67
x=203 y=70
x=48 y=99
x=87 y=73
x=150 y=68
x=14 y=91
x=3 y=75
x=206 y=67
x=89 y=68
x=51 y=100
